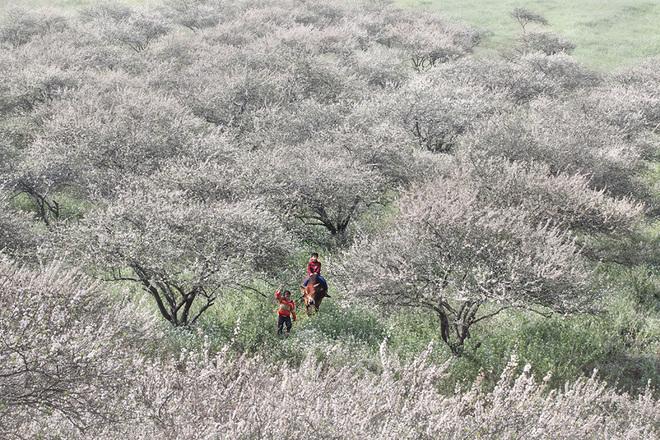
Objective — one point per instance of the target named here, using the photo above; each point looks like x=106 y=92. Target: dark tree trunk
x=174 y=303
x=455 y=325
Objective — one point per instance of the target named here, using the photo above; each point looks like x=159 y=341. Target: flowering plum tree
x=193 y=14
x=570 y=142
x=19 y=26
x=25 y=87
x=230 y=101
x=436 y=112
x=424 y=38
x=321 y=185
x=91 y=143
x=381 y=66
x=450 y=253
x=218 y=179
x=545 y=42
x=629 y=100
x=119 y=24
x=523 y=78
x=67 y=352
x=198 y=395
x=210 y=140
x=564 y=200
x=179 y=250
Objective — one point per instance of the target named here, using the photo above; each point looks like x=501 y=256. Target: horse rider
x=314 y=267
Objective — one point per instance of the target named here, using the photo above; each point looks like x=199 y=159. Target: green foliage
x=247 y=322
x=569 y=347
x=410 y=333
x=353 y=325
x=620 y=342
x=71 y=207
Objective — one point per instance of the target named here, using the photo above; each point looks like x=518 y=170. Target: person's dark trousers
x=281 y=322
x=321 y=280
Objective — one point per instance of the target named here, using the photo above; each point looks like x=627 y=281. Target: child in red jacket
x=314 y=267
x=286 y=309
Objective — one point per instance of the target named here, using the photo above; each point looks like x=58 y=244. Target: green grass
x=70 y=206
x=621 y=342
x=608 y=33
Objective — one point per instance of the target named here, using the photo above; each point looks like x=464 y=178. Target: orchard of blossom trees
x=188 y=149
x=73 y=366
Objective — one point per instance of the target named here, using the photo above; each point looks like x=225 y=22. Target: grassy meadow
x=608 y=34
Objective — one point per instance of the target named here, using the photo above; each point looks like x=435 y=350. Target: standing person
x=286 y=309
x=314 y=267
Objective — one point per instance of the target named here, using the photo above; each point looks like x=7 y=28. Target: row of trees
x=74 y=366
x=201 y=145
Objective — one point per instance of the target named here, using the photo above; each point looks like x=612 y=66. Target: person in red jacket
x=314 y=267
x=286 y=310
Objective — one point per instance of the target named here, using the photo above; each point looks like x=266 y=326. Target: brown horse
x=313 y=294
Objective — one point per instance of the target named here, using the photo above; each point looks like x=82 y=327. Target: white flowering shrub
x=436 y=112
x=202 y=396
x=426 y=39
x=183 y=253
x=131 y=28
x=94 y=141
x=545 y=42
x=19 y=26
x=77 y=365
x=321 y=185
x=25 y=87
x=400 y=402
x=451 y=253
x=68 y=352
x=566 y=138
x=193 y=14
x=564 y=200
x=523 y=78
x=630 y=101
x=219 y=179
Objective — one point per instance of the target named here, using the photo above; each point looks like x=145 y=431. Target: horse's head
x=313 y=294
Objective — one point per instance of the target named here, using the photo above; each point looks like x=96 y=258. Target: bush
x=545 y=42
x=19 y=26
x=568 y=142
x=68 y=354
x=198 y=395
